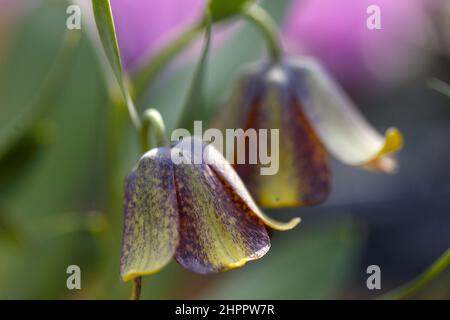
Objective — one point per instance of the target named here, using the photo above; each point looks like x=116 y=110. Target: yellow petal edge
x=382 y=160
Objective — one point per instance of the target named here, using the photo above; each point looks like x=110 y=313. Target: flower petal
x=218 y=231
x=230 y=178
x=303 y=176
x=246 y=89
x=270 y=102
x=150 y=235
x=343 y=130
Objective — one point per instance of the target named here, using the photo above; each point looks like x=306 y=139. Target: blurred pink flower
x=337 y=33
x=143 y=26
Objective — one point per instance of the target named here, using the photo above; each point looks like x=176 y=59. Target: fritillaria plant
x=201 y=213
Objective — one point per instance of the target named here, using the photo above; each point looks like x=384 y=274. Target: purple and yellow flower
x=314 y=116
x=200 y=214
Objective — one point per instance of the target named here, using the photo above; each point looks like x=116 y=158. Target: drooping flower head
x=314 y=116
x=196 y=211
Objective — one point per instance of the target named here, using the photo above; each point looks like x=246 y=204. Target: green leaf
x=13 y=131
x=440 y=86
x=194 y=107
x=57 y=181
x=105 y=26
x=224 y=9
x=413 y=287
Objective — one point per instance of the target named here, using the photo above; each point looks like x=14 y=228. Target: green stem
x=132 y=111
x=152 y=121
x=194 y=106
x=422 y=281
x=136 y=288
x=258 y=16
x=145 y=76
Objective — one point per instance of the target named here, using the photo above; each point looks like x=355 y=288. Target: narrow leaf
x=440 y=86
x=17 y=129
x=105 y=26
x=194 y=107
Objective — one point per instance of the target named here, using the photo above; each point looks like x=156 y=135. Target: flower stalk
x=136 y=289
x=152 y=122
x=147 y=74
x=253 y=12
x=260 y=18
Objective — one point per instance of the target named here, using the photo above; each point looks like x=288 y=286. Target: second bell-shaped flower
x=194 y=209
x=314 y=116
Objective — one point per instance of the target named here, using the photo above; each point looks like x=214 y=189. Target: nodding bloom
x=314 y=116
x=200 y=213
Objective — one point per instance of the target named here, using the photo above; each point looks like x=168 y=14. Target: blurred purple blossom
x=336 y=32
x=143 y=26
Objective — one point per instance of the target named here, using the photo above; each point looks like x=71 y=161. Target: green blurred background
x=61 y=176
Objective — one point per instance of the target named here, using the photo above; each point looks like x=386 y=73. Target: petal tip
x=257 y=255
x=133 y=274
x=384 y=162
x=281 y=226
x=394 y=141
x=293 y=223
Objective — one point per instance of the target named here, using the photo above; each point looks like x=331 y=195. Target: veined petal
x=303 y=176
x=217 y=230
x=150 y=235
x=339 y=124
x=245 y=90
x=230 y=179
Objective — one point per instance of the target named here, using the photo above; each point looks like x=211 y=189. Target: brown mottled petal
x=340 y=126
x=303 y=176
x=233 y=111
x=218 y=231
x=230 y=178
x=150 y=235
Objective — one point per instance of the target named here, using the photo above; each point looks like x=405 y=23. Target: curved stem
x=136 y=288
x=145 y=76
x=422 y=281
x=152 y=121
x=194 y=106
x=132 y=111
x=268 y=27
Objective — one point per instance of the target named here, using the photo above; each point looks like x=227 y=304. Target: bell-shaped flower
x=187 y=202
x=314 y=116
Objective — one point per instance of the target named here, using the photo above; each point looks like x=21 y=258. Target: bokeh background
x=61 y=176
